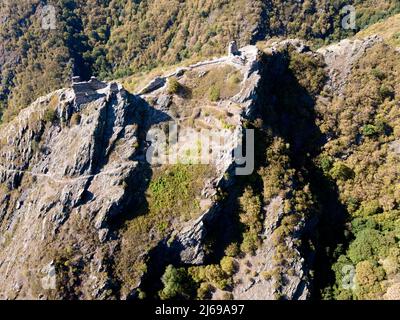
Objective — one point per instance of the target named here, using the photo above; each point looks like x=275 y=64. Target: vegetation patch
x=173 y=86
x=217 y=83
x=172 y=197
x=367 y=177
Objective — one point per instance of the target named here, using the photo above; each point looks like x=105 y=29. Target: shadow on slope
x=288 y=109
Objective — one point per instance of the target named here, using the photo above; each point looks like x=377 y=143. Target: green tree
x=369 y=245
x=228 y=265
x=341 y=172
x=232 y=250
x=370 y=130
x=368 y=280
x=177 y=284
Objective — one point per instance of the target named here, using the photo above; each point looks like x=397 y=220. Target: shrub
x=369 y=244
x=177 y=284
x=251 y=208
x=204 y=291
x=250 y=217
x=369 y=209
x=341 y=172
x=141 y=295
x=352 y=204
x=234 y=79
x=198 y=274
x=267 y=275
x=250 y=243
x=49 y=115
x=227 y=265
x=214 y=93
x=135 y=145
x=215 y=275
x=367 y=273
x=369 y=130
x=232 y=250
x=173 y=86
x=386 y=92
x=326 y=163
x=379 y=74
x=368 y=277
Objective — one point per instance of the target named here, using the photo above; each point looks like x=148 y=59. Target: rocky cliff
x=73 y=165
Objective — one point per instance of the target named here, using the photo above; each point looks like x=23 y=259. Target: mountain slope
x=75 y=181
x=85 y=215
x=387 y=29
x=115 y=38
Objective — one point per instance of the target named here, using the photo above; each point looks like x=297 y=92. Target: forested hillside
x=116 y=38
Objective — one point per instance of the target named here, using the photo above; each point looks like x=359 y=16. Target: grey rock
x=164 y=101
x=155 y=84
x=233 y=49
x=395 y=146
x=73 y=180
x=341 y=57
x=72 y=184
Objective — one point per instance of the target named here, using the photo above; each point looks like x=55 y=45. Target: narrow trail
x=67 y=180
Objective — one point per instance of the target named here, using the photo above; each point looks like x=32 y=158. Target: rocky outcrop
x=341 y=57
x=70 y=167
x=155 y=84
x=186 y=243
x=299 y=45
x=233 y=49
x=260 y=283
x=395 y=146
x=63 y=181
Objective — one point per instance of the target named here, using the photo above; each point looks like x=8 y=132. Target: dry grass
x=389 y=30
x=226 y=79
x=138 y=81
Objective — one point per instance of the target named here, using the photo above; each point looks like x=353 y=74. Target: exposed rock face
x=341 y=57
x=298 y=44
x=261 y=285
x=155 y=84
x=255 y=279
x=65 y=181
x=395 y=146
x=187 y=245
